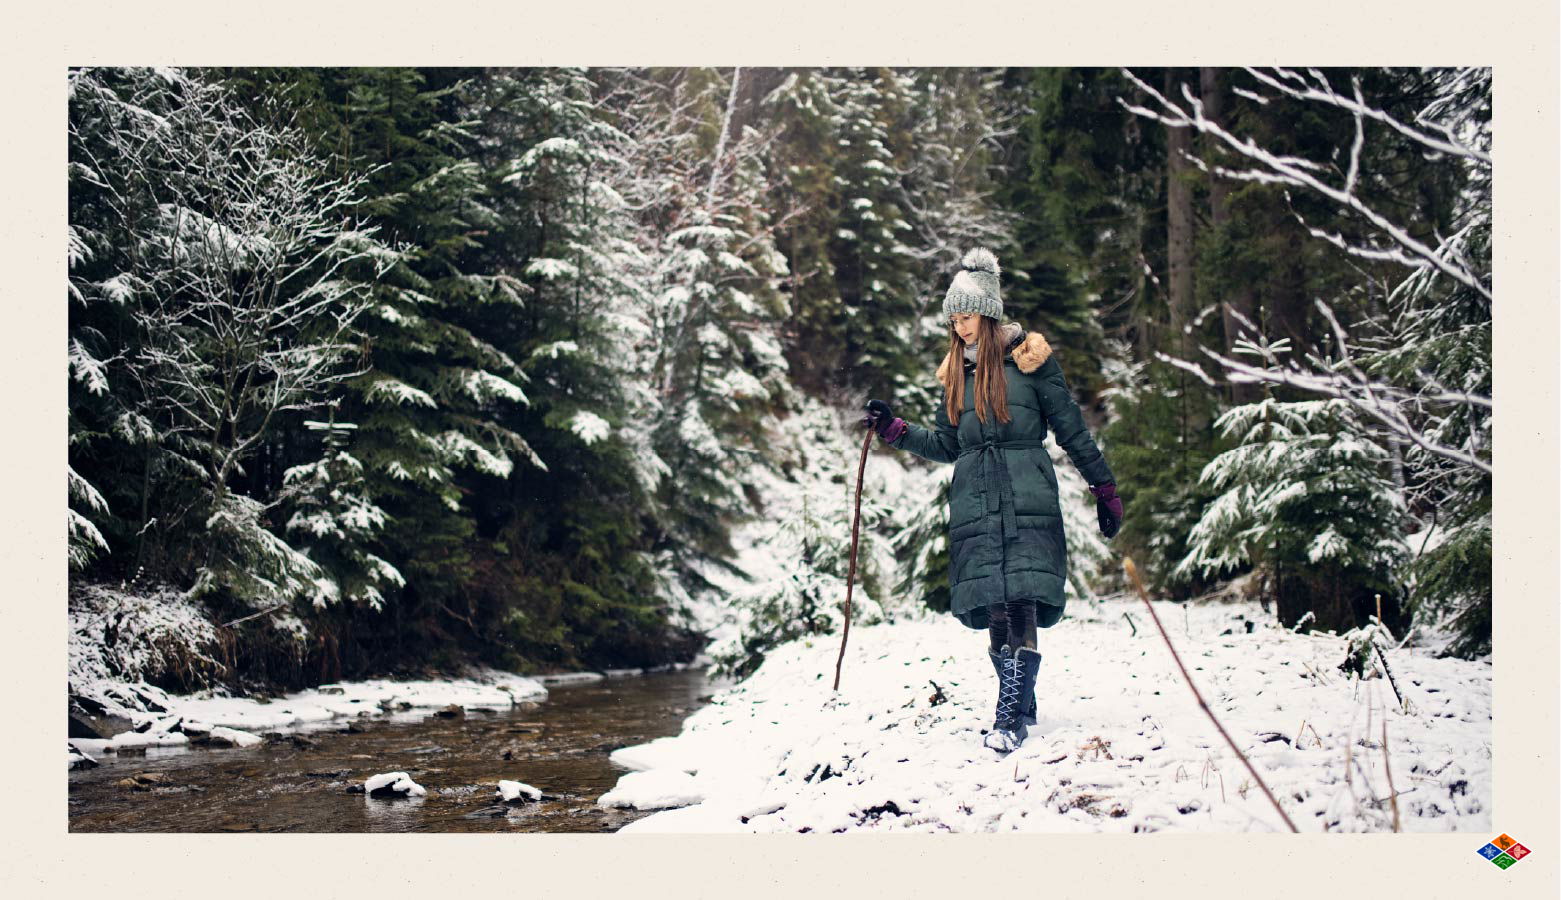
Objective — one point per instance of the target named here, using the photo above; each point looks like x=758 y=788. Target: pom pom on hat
x=980 y=259
x=975 y=286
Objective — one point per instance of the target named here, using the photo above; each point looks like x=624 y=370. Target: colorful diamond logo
x=1503 y=850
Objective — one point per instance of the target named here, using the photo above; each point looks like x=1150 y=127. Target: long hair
x=991 y=386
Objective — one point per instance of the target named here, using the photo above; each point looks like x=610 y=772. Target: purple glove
x=1108 y=507
x=881 y=419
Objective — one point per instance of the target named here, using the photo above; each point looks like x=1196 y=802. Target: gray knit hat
x=974 y=288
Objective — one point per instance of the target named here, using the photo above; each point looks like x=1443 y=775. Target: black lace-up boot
x=1028 y=697
x=1016 y=680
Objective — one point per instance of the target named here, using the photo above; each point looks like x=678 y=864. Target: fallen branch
x=1132 y=573
x=264 y=612
x=1382 y=658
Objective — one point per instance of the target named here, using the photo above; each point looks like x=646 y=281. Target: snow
x=357 y=698
x=1121 y=745
x=238 y=738
x=655 y=789
x=118 y=639
x=400 y=782
x=569 y=678
x=397 y=392
x=239 y=719
x=514 y=790
x=662 y=753
x=551 y=269
x=589 y=427
x=457 y=447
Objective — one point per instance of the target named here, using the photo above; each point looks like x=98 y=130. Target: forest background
x=385 y=369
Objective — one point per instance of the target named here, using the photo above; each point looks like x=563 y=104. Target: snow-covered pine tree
x=922 y=546
x=230 y=246
x=876 y=272
x=805 y=195
x=428 y=412
x=1441 y=335
x=711 y=339
x=1157 y=466
x=569 y=545
x=335 y=523
x=1308 y=500
x=1414 y=358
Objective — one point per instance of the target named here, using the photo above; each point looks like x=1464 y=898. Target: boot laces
x=1009 y=684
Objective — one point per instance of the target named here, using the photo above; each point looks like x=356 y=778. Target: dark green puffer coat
x=1005 y=521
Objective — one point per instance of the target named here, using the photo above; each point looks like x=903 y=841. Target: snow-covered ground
x=1121 y=746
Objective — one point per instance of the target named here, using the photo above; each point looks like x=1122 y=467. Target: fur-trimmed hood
x=1028 y=349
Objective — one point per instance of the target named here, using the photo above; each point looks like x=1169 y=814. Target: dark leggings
x=1013 y=623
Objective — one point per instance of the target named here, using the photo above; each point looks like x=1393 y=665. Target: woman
x=1002 y=389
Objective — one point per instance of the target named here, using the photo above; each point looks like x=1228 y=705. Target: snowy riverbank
x=174 y=720
x=1121 y=746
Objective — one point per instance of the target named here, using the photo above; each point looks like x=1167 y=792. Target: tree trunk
x=1179 y=226
x=1239 y=298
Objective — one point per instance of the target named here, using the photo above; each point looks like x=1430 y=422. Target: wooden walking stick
x=856 y=523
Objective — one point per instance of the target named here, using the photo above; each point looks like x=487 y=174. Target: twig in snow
x=1132 y=573
x=1388 y=767
x=1382 y=658
x=1130 y=624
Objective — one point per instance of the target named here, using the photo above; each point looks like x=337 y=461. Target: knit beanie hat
x=974 y=288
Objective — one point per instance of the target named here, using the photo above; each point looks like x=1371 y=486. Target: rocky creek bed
x=304 y=780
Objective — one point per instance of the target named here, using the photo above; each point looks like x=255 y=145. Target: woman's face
x=965 y=324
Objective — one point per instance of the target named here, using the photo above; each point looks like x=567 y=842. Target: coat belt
x=995 y=485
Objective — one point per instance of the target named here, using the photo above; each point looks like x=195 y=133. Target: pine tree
x=806 y=196
x=874 y=269
x=1306 y=498
x=714 y=356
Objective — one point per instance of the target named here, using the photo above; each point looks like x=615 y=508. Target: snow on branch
x=1272 y=167
x=1389 y=377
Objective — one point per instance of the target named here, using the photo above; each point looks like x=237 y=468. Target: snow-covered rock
x=655 y=789
x=391 y=784
x=75 y=759
x=1121 y=745
x=133 y=740
x=517 y=792
x=233 y=736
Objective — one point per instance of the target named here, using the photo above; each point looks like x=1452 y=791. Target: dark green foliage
x=1157 y=462
x=581 y=322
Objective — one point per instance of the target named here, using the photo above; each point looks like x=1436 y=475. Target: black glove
x=881 y=419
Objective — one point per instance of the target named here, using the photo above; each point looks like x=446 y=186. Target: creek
x=298 y=782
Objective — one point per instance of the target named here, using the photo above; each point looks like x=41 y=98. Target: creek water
x=300 y=784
